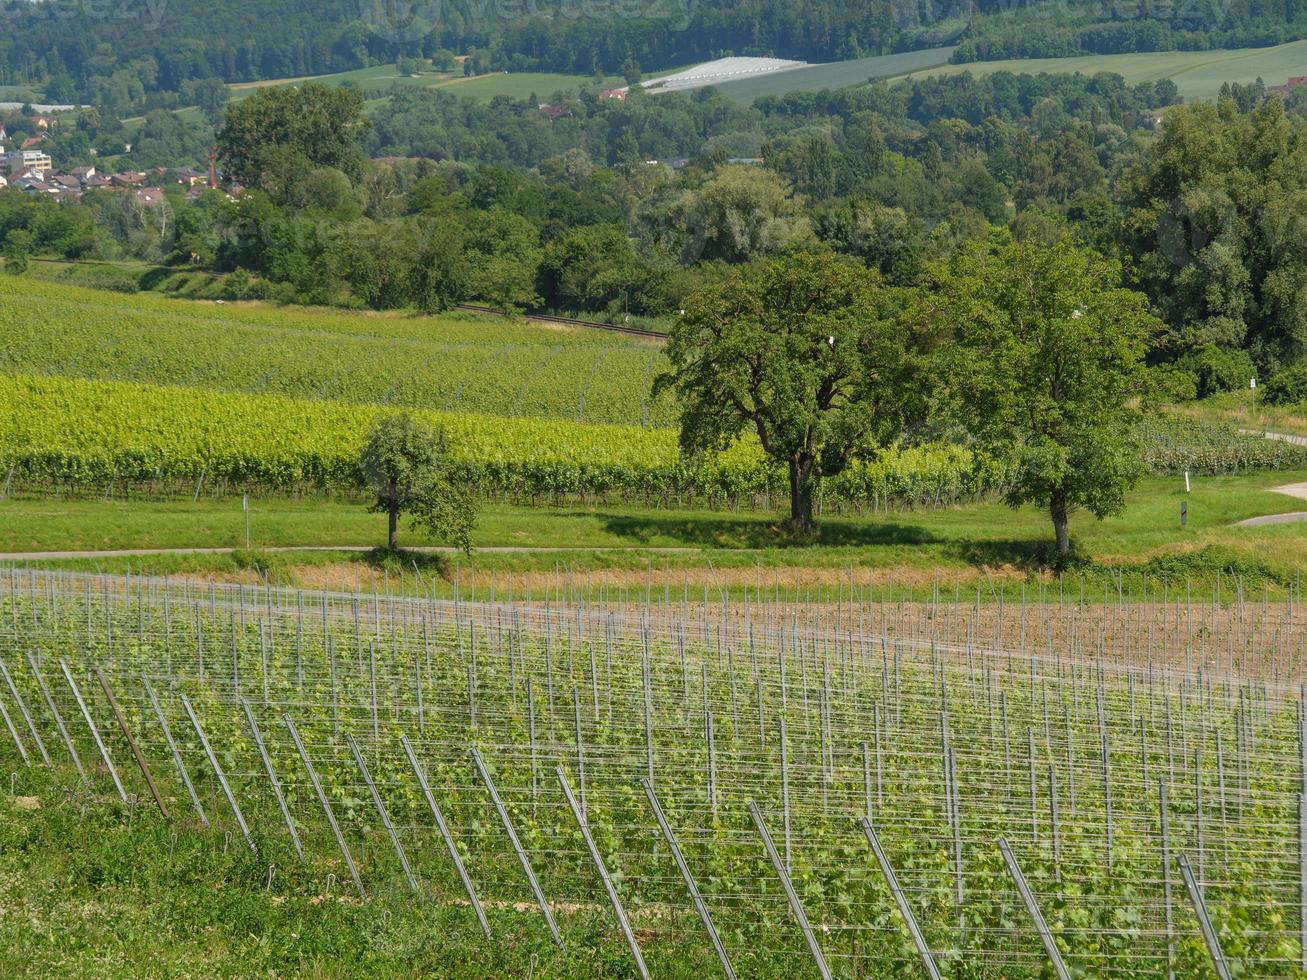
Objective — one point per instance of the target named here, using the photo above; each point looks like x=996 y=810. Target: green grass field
x=1198 y=74
x=724 y=549
x=481 y=88
x=519 y=85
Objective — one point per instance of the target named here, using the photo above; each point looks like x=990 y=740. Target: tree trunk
x=1057 y=508
x=392 y=519
x=802 y=489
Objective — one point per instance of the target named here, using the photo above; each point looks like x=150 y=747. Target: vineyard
x=483 y=365
x=1065 y=785
x=56 y=436
x=1172 y=443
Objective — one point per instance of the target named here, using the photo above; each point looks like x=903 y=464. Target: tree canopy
x=405 y=466
x=805 y=351
x=275 y=136
x=1042 y=358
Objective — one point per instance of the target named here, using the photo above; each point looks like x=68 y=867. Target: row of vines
x=336 y=725
x=83 y=436
x=445 y=363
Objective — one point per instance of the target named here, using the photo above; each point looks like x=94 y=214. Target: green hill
x=1198 y=74
x=456 y=362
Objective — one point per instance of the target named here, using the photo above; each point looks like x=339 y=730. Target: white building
x=20 y=160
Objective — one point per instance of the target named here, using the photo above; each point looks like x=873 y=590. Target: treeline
x=1069 y=30
x=144 y=55
x=499 y=203
x=78 y=54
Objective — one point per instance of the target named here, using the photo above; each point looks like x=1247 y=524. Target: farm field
x=838 y=74
x=1197 y=74
x=482 y=88
x=56 y=438
x=485 y=364
x=669 y=785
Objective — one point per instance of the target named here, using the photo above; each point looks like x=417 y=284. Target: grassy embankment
x=632 y=547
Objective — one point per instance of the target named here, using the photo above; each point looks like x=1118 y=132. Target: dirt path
x=1276 y=436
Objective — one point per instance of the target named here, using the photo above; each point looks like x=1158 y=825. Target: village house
x=20 y=160
x=149 y=196
x=1293 y=82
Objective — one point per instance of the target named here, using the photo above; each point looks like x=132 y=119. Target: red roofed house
x=150 y=196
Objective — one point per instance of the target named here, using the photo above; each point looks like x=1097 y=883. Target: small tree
x=1046 y=363
x=405 y=465
x=807 y=352
x=17 y=251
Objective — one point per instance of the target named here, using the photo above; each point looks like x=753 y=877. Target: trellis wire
x=825 y=700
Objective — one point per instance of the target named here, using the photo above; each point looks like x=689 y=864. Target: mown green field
x=1198 y=74
x=482 y=88
x=456 y=362
x=726 y=549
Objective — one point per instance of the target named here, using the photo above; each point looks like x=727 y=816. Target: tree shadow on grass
x=1032 y=555
x=404 y=560
x=757 y=532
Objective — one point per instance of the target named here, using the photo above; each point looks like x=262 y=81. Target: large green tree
x=741 y=212
x=805 y=351
x=415 y=262
x=405 y=467
x=277 y=135
x=1042 y=358
x=1218 y=204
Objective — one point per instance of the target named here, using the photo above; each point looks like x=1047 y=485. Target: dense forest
x=141 y=54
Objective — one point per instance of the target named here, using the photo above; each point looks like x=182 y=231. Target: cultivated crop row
x=78 y=437
x=709 y=781
x=444 y=365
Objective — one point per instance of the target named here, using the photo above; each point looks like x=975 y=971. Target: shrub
x=1218 y=369
x=1289 y=387
x=1170 y=383
x=238 y=284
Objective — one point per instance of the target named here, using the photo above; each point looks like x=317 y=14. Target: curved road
x=1298 y=490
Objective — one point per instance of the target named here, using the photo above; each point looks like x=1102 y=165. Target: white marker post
x=1186 y=481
